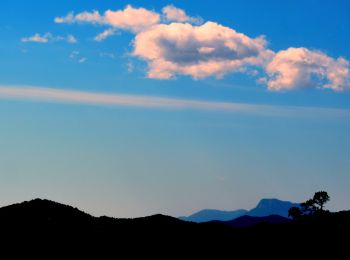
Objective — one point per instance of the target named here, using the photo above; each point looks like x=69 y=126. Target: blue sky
x=225 y=105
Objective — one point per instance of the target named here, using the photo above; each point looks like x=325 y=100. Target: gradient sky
x=203 y=104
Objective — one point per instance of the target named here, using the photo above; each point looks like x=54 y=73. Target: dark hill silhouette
x=265 y=207
x=249 y=221
x=39 y=210
x=42 y=225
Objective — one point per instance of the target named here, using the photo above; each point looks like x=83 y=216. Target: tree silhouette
x=308 y=207
x=294 y=212
x=320 y=198
x=311 y=206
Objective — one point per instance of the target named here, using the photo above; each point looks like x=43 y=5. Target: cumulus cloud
x=48 y=37
x=130 y=18
x=133 y=19
x=173 y=43
x=174 y=14
x=198 y=51
x=303 y=68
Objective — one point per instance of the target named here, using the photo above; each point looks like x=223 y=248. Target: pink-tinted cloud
x=176 y=44
x=133 y=19
x=303 y=68
x=130 y=18
x=174 y=14
x=198 y=51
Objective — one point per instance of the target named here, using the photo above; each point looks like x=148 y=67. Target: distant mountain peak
x=272 y=206
x=270 y=202
x=265 y=207
x=206 y=215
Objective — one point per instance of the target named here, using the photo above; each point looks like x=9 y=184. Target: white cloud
x=303 y=68
x=74 y=54
x=71 y=39
x=130 y=67
x=38 y=38
x=84 y=17
x=105 y=34
x=48 y=37
x=107 y=55
x=198 y=51
x=174 y=14
x=102 y=99
x=82 y=60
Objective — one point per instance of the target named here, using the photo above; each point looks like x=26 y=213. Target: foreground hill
x=42 y=224
x=265 y=207
x=249 y=221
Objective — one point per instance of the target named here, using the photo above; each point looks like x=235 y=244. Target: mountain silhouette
x=265 y=207
x=41 y=210
x=42 y=226
x=213 y=214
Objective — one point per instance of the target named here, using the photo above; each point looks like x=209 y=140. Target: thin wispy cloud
x=82 y=60
x=75 y=55
x=37 y=38
x=130 y=67
x=107 y=55
x=49 y=37
x=102 y=99
x=105 y=34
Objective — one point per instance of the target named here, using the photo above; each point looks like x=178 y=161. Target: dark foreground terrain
x=44 y=226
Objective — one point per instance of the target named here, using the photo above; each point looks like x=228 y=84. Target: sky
x=132 y=108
